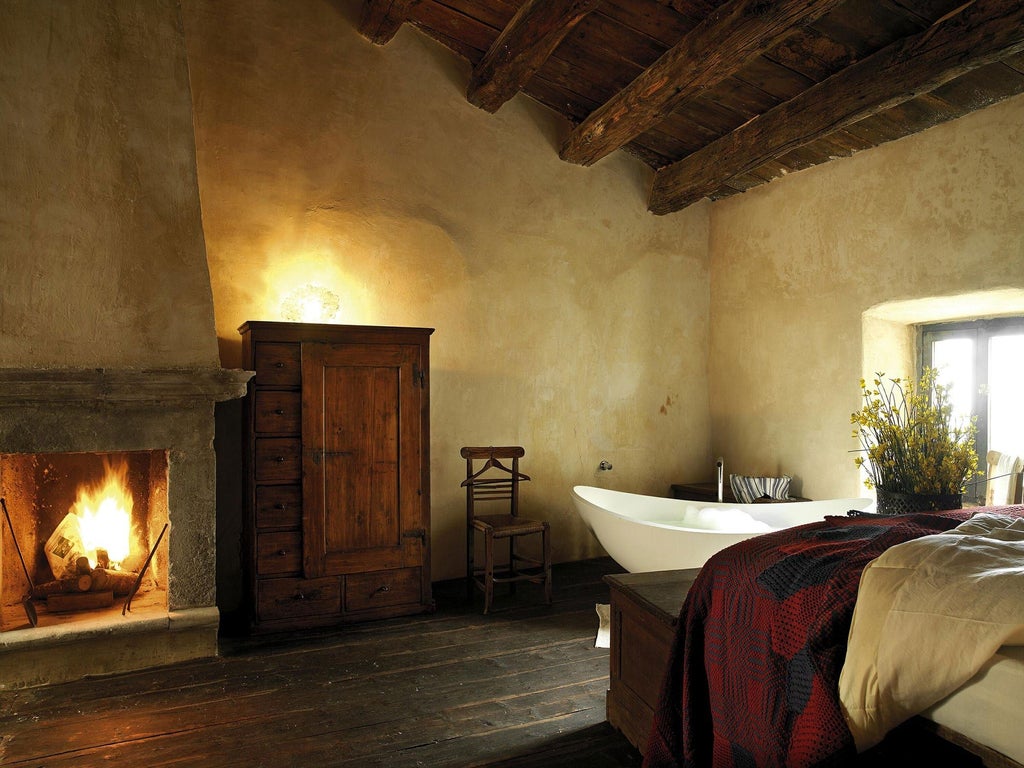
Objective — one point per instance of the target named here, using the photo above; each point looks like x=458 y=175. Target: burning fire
x=105 y=514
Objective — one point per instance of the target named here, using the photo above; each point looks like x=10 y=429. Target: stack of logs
x=88 y=588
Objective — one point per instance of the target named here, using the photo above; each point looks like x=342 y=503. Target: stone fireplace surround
x=62 y=410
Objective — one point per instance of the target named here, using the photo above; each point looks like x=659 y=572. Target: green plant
x=909 y=440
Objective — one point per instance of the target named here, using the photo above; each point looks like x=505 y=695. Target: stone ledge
x=21 y=387
x=30 y=657
x=109 y=626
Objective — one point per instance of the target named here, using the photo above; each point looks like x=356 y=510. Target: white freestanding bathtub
x=650 y=533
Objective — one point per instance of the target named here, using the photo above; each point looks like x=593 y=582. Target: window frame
x=980 y=331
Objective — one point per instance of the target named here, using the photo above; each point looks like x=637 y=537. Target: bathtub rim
x=778 y=508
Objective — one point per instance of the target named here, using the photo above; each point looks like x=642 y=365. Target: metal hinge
x=419 y=376
x=416 y=533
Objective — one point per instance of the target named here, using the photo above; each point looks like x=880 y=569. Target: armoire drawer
x=278 y=412
x=290 y=598
x=279 y=553
x=381 y=588
x=278 y=364
x=278 y=506
x=278 y=459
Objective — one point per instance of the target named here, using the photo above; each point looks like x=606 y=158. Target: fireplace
x=69 y=432
x=88 y=534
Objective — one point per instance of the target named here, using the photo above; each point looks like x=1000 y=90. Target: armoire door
x=361 y=466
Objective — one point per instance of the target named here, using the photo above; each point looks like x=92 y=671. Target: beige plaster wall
x=103 y=262
x=796 y=264
x=568 y=319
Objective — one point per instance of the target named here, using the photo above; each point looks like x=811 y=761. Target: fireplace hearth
x=62 y=430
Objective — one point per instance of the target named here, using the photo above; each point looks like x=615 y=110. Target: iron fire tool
x=27 y=604
x=142 y=572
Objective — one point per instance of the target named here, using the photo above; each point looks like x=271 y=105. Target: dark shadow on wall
x=227 y=445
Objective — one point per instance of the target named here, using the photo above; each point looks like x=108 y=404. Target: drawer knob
x=279 y=459
x=383 y=588
x=279 y=364
x=279 y=411
x=282 y=552
x=281 y=507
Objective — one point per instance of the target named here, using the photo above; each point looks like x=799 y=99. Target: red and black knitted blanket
x=754 y=673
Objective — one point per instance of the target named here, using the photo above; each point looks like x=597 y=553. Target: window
x=983 y=361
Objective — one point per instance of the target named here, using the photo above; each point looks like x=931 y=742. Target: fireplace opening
x=86 y=525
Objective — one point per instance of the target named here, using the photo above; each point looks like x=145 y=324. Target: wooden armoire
x=337 y=474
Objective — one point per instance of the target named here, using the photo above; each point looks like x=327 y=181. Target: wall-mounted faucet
x=604 y=466
x=720 y=468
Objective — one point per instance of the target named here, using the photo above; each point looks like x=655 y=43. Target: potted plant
x=916 y=455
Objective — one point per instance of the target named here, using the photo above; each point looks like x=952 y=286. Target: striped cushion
x=749 y=489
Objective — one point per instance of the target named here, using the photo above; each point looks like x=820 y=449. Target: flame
x=105 y=514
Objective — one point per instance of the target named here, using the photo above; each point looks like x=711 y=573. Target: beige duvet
x=930 y=613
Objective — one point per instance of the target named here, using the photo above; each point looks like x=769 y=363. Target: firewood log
x=80 y=583
x=79 y=601
x=119 y=581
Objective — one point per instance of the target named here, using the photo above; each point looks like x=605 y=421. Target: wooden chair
x=494 y=483
x=1002 y=489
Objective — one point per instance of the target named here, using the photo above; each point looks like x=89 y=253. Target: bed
x=754 y=674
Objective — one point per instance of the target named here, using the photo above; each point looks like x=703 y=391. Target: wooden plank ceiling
x=718 y=97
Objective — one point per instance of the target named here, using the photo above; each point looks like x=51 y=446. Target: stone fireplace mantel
x=58 y=410
x=119 y=386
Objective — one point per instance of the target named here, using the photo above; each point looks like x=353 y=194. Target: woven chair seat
x=507 y=525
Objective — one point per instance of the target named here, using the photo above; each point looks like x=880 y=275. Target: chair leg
x=547 y=564
x=488 y=570
x=512 y=563
x=470 y=544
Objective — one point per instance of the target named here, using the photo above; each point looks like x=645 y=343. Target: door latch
x=418 y=376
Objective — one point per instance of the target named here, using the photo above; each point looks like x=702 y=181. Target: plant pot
x=897 y=503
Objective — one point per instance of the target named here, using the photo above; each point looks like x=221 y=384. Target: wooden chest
x=644 y=611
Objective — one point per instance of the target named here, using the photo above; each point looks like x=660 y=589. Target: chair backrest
x=1006 y=478
x=492 y=481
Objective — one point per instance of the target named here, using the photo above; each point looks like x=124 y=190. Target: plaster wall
x=802 y=271
x=100 y=226
x=568 y=319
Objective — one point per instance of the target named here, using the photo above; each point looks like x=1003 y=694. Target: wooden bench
x=644 y=611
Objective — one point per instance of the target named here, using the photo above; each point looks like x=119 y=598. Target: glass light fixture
x=310 y=303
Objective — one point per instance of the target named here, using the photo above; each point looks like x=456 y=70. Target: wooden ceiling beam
x=521 y=49
x=381 y=19
x=719 y=46
x=979 y=33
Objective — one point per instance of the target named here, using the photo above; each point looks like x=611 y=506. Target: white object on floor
x=604 y=628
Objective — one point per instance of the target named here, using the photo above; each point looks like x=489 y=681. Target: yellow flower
x=910 y=440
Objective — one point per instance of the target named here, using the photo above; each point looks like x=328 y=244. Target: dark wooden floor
x=521 y=688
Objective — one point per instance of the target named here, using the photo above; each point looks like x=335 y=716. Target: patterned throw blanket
x=754 y=671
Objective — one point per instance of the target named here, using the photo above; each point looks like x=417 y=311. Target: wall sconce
x=310 y=304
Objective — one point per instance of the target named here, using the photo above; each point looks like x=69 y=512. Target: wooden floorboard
x=523 y=687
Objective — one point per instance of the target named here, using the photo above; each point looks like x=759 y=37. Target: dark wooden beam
x=979 y=33
x=381 y=19
x=720 y=45
x=521 y=49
